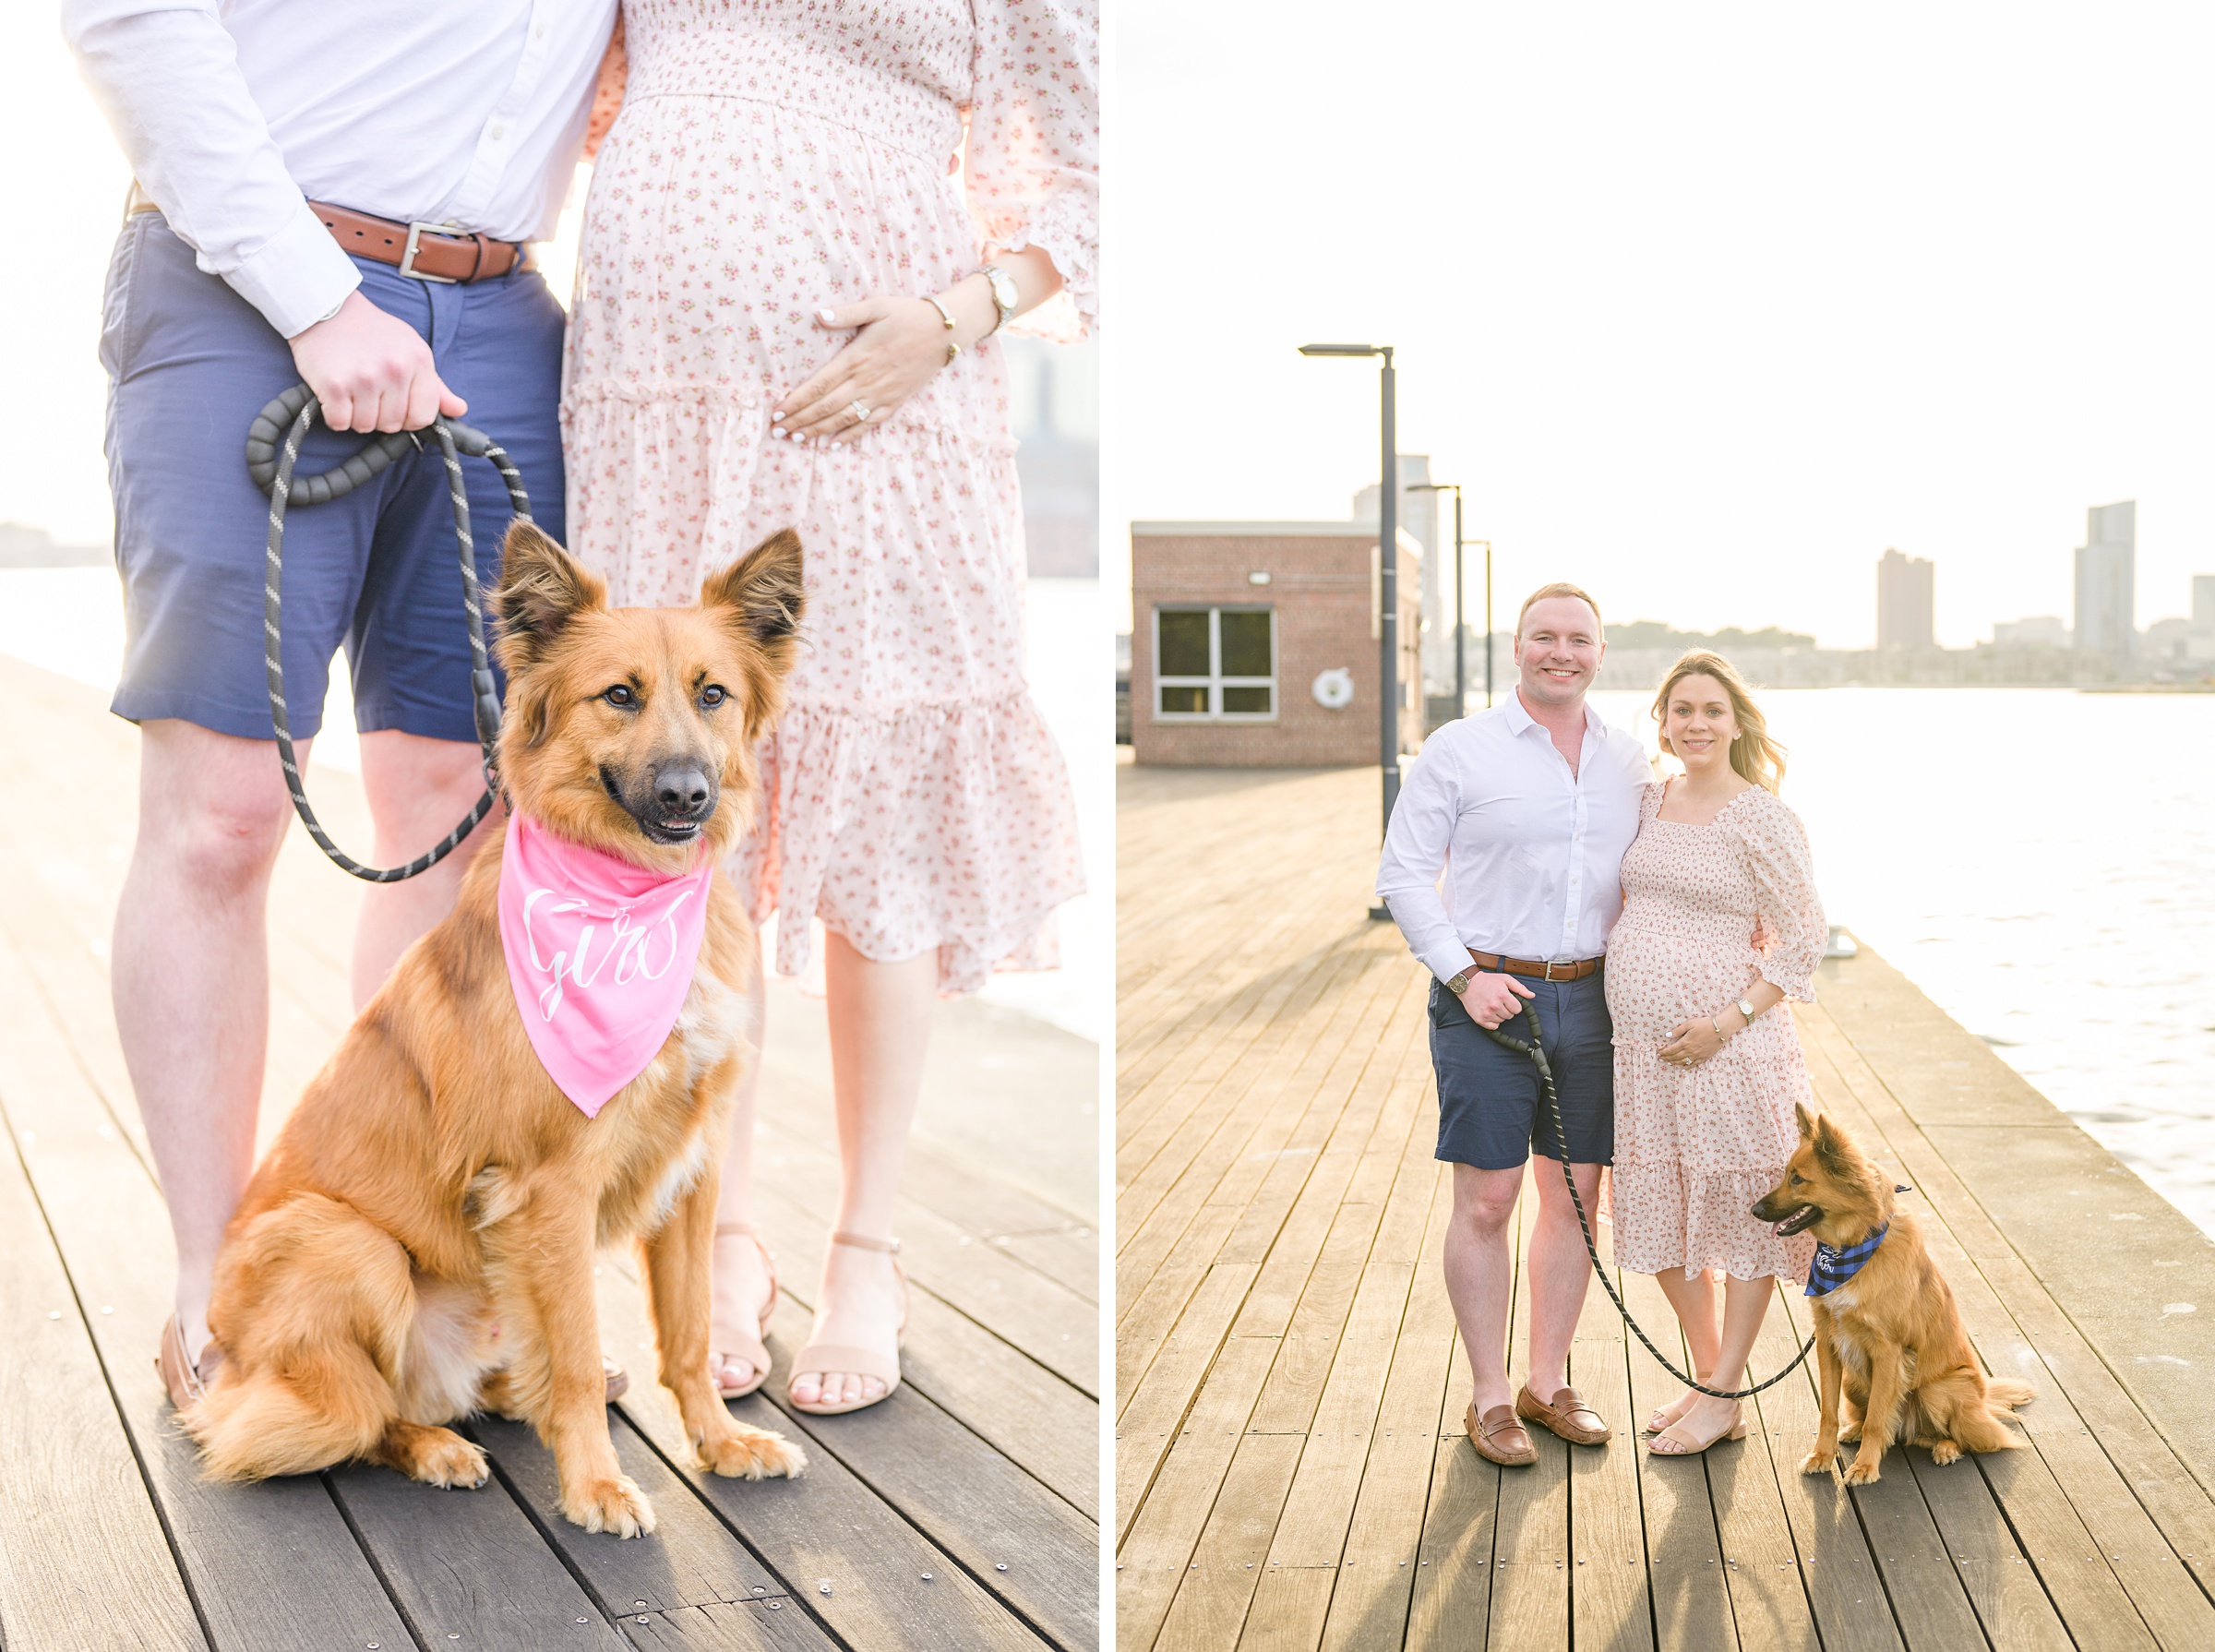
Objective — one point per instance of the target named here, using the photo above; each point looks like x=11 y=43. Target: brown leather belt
x=1540 y=972
x=424 y=251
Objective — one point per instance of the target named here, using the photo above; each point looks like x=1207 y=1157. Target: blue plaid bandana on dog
x=1833 y=1268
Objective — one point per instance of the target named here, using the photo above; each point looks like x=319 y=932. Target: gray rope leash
x=272 y=450
x=1536 y=1050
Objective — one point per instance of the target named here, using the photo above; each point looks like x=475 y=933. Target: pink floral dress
x=772 y=156
x=1695 y=1147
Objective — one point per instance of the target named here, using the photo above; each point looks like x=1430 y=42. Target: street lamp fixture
x=1388 y=567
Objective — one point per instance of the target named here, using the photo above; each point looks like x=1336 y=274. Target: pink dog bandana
x=600 y=953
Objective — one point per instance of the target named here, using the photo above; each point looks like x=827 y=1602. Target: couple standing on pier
x=1654 y=929
x=805 y=229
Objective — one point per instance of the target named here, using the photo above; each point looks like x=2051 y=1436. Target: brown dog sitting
x=1886 y=1325
x=419 y=1241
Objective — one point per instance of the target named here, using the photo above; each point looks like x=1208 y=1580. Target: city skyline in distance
x=1703 y=310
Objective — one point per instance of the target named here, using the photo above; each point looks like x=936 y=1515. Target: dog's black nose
x=683 y=788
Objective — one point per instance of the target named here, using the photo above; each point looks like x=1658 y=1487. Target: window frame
x=1215 y=682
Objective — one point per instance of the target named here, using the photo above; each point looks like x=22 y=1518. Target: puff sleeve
x=1774 y=846
x=1032 y=167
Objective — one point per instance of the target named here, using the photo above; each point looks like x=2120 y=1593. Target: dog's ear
x=543 y=588
x=762 y=596
x=1807 y=1120
x=760 y=599
x=1833 y=1152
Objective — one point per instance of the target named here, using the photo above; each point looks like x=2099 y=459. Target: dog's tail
x=267 y=1424
x=2005 y=1393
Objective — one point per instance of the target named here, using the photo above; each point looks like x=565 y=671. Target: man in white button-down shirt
x=1526 y=809
x=334 y=194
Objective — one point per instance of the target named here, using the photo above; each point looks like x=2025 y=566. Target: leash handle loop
x=272 y=451
x=1536 y=1050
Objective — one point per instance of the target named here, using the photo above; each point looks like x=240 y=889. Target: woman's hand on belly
x=899 y=344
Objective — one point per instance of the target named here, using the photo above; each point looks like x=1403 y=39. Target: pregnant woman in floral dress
x=1721 y=924
x=807 y=226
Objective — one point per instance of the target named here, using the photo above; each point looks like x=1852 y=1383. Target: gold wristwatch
x=1005 y=299
x=1459 y=985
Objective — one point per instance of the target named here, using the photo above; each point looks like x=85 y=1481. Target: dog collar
x=1832 y=1268
x=600 y=953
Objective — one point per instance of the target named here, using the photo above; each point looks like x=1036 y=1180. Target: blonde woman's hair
x=1754 y=754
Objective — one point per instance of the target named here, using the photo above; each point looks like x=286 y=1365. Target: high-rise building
x=1422 y=517
x=1905 y=612
x=2203 y=602
x=2107 y=581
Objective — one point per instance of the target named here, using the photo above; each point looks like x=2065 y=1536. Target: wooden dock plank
x=1609 y=1602
x=690 y=1560
x=83 y=1560
x=863 y=1481
x=1684 y=1554
x=272 y=1565
x=470 y=1564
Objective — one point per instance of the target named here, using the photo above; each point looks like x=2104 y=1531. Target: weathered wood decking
x=959 y=1515
x=1290 y=1467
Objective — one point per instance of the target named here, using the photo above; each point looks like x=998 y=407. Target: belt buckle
x=407 y=258
x=1548 y=975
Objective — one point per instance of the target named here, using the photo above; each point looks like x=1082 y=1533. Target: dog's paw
x=751 y=1454
x=450 y=1461
x=1863 y=1471
x=613 y=1504
x=1946 y=1452
x=1819 y=1462
x=1850 y=1433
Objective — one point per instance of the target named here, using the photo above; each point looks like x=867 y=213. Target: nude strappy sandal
x=186 y=1382
x=830 y=1357
x=725 y=1346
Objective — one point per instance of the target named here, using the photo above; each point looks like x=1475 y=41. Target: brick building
x=1247 y=637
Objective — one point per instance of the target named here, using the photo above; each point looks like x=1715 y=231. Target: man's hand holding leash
x=372 y=371
x=1491 y=999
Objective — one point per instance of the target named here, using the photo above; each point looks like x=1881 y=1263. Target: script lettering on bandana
x=628 y=943
x=600 y=955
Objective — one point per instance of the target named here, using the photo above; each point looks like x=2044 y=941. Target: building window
x=1214 y=663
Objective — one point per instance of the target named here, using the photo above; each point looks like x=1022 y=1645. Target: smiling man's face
x=1558 y=650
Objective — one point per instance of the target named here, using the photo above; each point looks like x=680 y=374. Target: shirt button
x=538 y=31
x=499 y=131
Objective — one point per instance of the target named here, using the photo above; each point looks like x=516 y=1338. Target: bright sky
x=1703 y=305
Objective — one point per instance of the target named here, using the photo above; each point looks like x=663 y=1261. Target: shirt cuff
x=1445 y=963
x=296 y=278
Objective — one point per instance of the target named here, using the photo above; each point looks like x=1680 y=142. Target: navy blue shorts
x=189 y=364
x=1491 y=1112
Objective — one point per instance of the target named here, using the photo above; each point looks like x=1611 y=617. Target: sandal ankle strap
x=724 y=1230
x=861 y=1242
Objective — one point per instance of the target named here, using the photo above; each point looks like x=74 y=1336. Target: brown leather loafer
x=1568 y=1416
x=1499 y=1436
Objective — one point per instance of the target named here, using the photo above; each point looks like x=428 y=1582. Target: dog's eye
x=714 y=695
x=1798 y=1183
x=620 y=695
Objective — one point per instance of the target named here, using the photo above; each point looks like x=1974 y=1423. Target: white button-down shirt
x=1532 y=855
x=235 y=114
